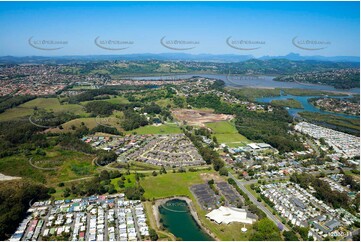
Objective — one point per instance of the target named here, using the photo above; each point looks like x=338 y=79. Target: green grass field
x=26 y=109
x=114 y=100
x=69 y=165
x=117 y=100
x=161 y=129
x=170 y=184
x=226 y=133
x=165 y=102
x=89 y=122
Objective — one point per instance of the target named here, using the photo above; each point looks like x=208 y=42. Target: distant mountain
x=166 y=57
x=129 y=57
x=298 y=57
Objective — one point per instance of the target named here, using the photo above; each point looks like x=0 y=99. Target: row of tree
x=324 y=192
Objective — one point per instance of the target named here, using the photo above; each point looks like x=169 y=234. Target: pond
x=176 y=218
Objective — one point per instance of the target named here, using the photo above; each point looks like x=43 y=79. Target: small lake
x=252 y=81
x=177 y=219
x=307 y=106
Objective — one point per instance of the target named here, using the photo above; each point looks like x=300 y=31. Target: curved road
x=259 y=205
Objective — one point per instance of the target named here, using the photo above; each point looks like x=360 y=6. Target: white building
x=228 y=215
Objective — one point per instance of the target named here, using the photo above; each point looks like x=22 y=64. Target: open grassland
x=170 y=184
x=27 y=109
x=64 y=165
x=67 y=127
x=88 y=122
x=165 y=102
x=160 y=129
x=177 y=184
x=291 y=103
x=226 y=133
x=117 y=100
x=113 y=100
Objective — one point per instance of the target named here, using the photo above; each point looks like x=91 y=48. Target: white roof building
x=228 y=215
x=253 y=146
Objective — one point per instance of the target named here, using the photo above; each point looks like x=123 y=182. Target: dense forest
x=7 y=102
x=15 y=198
x=271 y=128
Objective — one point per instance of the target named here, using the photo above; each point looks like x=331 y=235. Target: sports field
x=226 y=133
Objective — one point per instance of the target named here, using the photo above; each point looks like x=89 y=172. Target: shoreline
x=322 y=87
x=343 y=92
x=192 y=210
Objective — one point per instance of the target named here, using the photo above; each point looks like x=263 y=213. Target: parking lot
x=205 y=196
x=232 y=197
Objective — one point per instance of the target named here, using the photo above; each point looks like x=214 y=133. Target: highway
x=259 y=205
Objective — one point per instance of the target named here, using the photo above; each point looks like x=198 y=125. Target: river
x=177 y=219
x=307 y=106
x=252 y=81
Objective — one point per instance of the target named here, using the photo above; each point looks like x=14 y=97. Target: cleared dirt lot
x=199 y=117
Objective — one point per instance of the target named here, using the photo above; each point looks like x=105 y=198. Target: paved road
x=314 y=147
x=287 y=177
x=259 y=205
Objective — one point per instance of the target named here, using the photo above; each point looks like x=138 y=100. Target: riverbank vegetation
x=339 y=123
x=251 y=94
x=290 y=103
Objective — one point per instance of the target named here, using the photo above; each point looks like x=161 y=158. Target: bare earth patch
x=8 y=178
x=209 y=176
x=199 y=117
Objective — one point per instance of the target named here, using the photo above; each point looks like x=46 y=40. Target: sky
x=252 y=28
